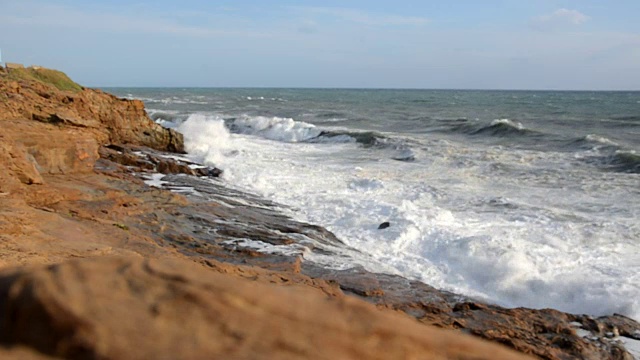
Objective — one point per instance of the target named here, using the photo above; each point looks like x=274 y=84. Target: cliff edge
x=50 y=97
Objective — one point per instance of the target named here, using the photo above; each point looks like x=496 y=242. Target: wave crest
x=624 y=161
x=501 y=127
x=364 y=138
x=291 y=131
x=274 y=128
x=168 y=118
x=593 y=142
x=497 y=128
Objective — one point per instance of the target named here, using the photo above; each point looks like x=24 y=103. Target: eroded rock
x=131 y=308
x=108 y=118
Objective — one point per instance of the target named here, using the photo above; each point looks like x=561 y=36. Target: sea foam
x=207 y=138
x=527 y=255
x=517 y=227
x=275 y=128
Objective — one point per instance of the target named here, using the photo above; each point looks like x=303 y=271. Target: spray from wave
x=207 y=138
x=274 y=128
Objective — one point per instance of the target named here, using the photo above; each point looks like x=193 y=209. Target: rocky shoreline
x=96 y=263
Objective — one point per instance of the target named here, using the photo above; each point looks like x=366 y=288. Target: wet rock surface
x=146 y=159
x=545 y=333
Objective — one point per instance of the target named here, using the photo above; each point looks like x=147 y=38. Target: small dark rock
x=116 y=147
x=468 y=306
x=208 y=171
x=384 y=225
x=170 y=166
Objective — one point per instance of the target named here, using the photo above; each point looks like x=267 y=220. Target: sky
x=465 y=44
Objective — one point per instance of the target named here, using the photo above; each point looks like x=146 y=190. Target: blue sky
x=494 y=44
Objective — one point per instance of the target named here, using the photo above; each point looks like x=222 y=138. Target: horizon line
x=359 y=88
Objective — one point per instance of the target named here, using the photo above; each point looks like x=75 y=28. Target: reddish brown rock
x=19 y=163
x=53 y=149
x=49 y=131
x=545 y=333
x=108 y=118
x=131 y=308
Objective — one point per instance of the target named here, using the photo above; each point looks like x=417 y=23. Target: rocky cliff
x=94 y=263
x=105 y=117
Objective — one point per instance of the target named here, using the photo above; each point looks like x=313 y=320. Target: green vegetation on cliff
x=52 y=77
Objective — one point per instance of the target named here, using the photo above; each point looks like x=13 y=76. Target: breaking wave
x=364 y=138
x=168 y=118
x=289 y=130
x=620 y=161
x=273 y=128
x=607 y=154
x=623 y=161
x=593 y=142
x=502 y=128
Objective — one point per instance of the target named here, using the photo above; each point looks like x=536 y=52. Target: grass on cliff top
x=48 y=76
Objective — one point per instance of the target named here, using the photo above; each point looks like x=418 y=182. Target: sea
x=518 y=198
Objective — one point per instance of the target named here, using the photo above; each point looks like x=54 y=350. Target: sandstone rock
x=20 y=163
x=124 y=156
x=130 y=308
x=108 y=118
x=49 y=131
x=168 y=166
x=55 y=150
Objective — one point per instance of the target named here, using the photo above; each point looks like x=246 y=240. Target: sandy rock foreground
x=135 y=308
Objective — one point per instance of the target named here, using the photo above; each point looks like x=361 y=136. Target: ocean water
x=520 y=198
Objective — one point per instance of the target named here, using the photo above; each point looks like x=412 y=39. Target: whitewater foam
x=511 y=123
x=600 y=139
x=155 y=180
x=207 y=138
x=275 y=128
x=509 y=225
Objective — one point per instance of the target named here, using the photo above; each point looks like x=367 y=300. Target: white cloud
x=366 y=18
x=562 y=16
